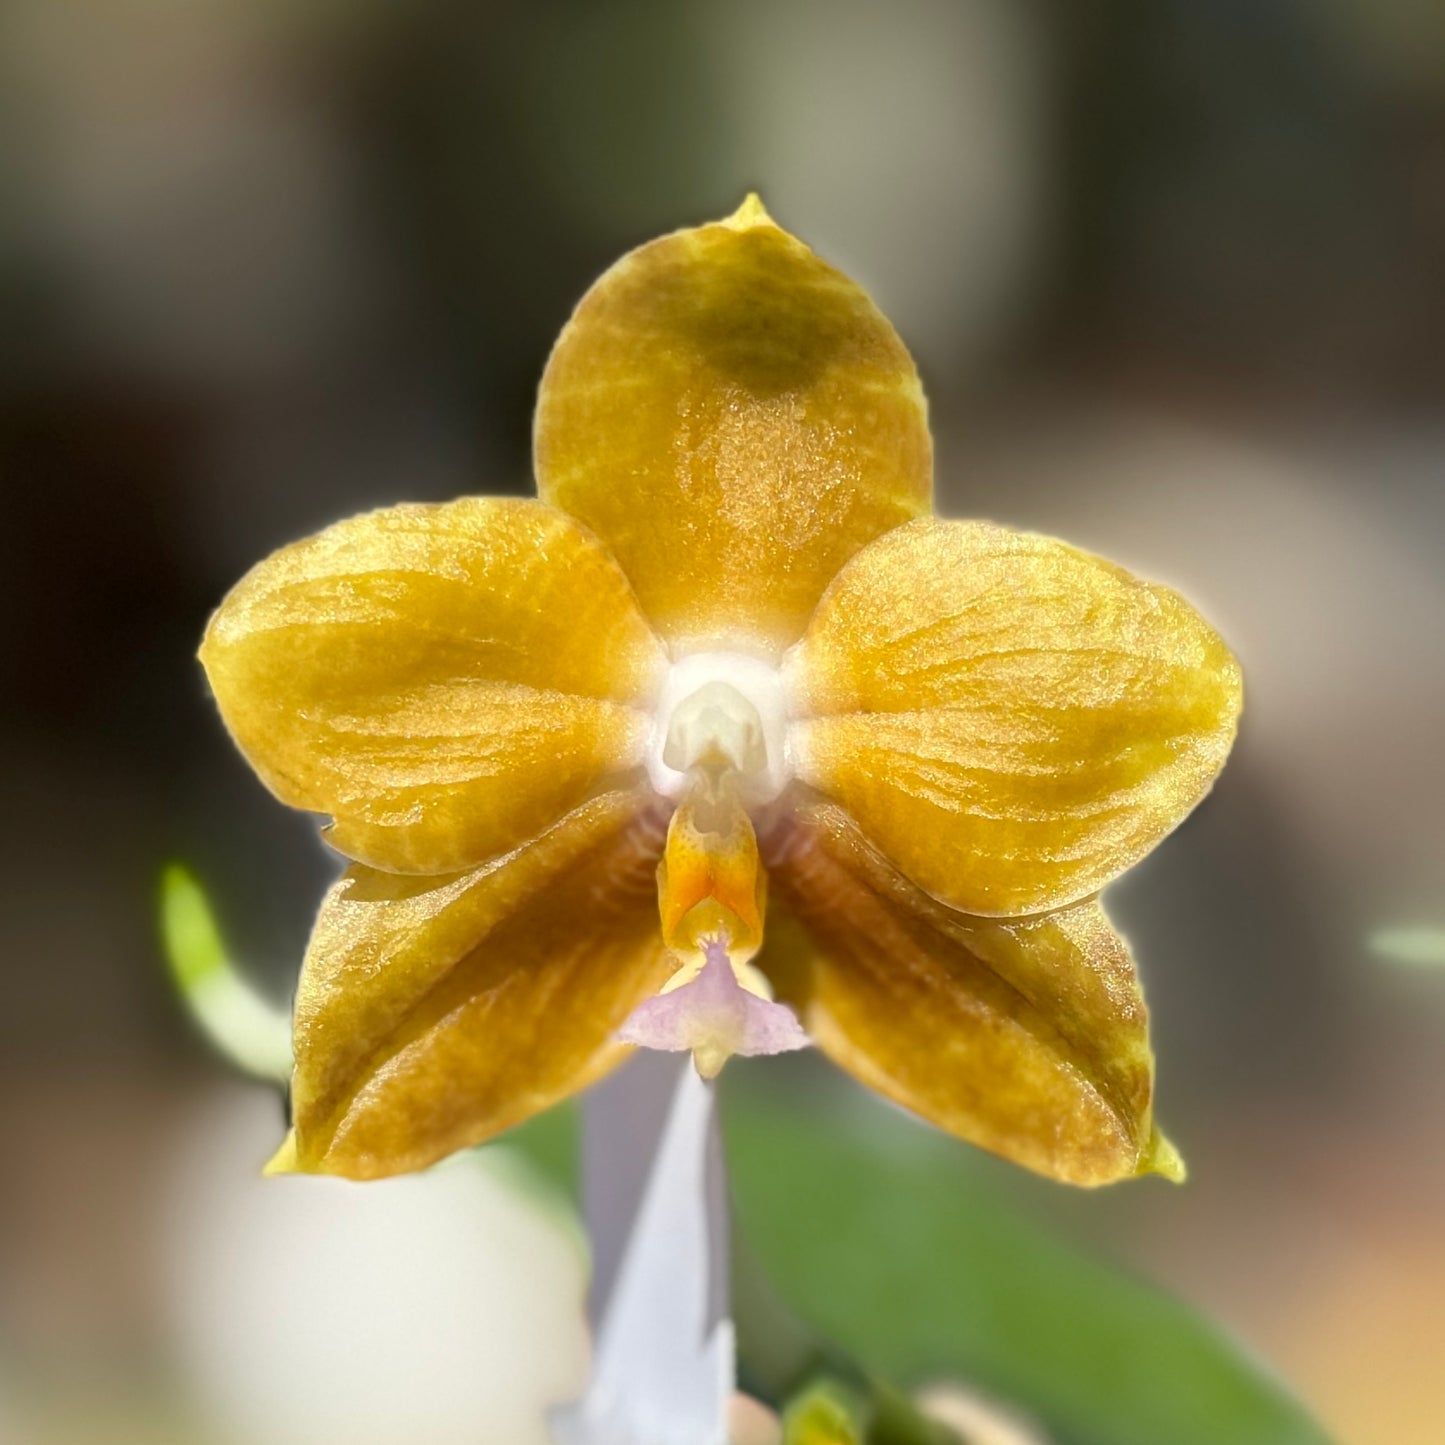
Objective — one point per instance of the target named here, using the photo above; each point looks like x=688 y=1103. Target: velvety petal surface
x=433 y=1013
x=444 y=680
x=1027 y=1037
x=734 y=418
x=1012 y=721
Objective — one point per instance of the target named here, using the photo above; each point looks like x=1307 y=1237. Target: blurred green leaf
x=192 y=939
x=1418 y=947
x=886 y=1240
x=247 y=1029
x=551 y=1145
x=908 y=1266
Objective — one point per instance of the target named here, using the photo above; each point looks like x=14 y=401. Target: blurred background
x=1174 y=275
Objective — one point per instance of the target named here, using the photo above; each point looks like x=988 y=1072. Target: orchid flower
x=723 y=743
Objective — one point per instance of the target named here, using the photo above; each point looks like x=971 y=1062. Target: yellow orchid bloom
x=728 y=666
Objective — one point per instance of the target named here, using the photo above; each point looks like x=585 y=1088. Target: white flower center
x=721 y=710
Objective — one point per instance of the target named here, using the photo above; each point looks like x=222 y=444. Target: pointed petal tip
x=285 y=1160
x=750 y=214
x=1162 y=1158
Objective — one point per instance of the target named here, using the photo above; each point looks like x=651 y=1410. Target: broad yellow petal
x=1012 y=721
x=735 y=419
x=1027 y=1037
x=445 y=681
x=433 y=1013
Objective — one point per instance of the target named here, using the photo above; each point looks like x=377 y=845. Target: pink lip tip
x=714 y=1017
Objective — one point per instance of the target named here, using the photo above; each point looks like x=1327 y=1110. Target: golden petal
x=1012 y=721
x=735 y=419
x=433 y=1013
x=1027 y=1037
x=445 y=680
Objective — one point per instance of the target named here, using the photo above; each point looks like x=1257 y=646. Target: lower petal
x=433 y=1013
x=1027 y=1037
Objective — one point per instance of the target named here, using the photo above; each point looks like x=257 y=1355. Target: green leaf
x=551 y=1145
x=247 y=1029
x=885 y=1238
x=188 y=930
x=909 y=1266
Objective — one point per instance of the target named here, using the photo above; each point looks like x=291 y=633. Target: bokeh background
x=1174 y=274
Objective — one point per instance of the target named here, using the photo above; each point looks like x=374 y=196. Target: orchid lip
x=714 y=1012
x=721 y=709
